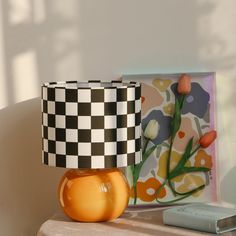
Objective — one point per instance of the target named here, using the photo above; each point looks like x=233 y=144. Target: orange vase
x=93 y=195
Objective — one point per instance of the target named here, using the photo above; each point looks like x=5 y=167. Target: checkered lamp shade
x=91 y=124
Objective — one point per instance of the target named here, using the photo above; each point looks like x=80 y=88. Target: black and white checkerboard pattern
x=91 y=125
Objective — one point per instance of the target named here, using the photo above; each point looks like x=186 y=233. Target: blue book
x=202 y=217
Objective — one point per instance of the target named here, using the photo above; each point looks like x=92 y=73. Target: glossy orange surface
x=93 y=195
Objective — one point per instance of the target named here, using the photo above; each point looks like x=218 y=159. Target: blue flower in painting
x=196 y=101
x=164 y=124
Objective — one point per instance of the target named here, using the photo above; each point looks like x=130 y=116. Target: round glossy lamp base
x=93 y=195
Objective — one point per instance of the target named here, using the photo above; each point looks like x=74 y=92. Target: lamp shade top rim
x=91 y=84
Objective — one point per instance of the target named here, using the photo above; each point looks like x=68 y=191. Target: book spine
x=190 y=221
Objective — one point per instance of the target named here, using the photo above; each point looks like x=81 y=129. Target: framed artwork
x=159 y=98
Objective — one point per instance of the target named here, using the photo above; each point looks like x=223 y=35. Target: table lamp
x=93 y=128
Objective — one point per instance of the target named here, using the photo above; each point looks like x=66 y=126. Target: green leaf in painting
x=148 y=152
x=186 y=170
x=181 y=101
x=153 y=173
x=158 y=151
x=176 y=120
x=184 y=159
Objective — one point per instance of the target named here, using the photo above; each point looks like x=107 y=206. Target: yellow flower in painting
x=161 y=84
x=175 y=158
x=169 y=109
x=202 y=159
x=191 y=182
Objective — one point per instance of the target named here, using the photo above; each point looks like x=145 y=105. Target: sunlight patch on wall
x=25 y=76
x=20 y=11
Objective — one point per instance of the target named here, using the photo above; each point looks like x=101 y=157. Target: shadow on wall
x=39 y=43
x=27 y=186
x=227 y=186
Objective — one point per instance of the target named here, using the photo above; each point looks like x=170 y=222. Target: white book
x=202 y=217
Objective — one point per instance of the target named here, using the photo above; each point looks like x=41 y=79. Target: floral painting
x=178 y=134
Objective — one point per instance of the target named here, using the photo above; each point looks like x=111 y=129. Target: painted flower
x=175 y=158
x=185 y=133
x=196 y=101
x=147 y=191
x=191 y=182
x=161 y=84
x=202 y=159
x=150 y=98
x=208 y=138
x=164 y=124
x=151 y=130
x=184 y=84
x=142 y=99
x=169 y=109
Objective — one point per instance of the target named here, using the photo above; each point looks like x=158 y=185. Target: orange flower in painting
x=161 y=84
x=207 y=139
x=181 y=134
x=184 y=84
x=147 y=191
x=191 y=182
x=142 y=99
x=202 y=159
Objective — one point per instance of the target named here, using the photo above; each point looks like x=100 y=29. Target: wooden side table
x=134 y=222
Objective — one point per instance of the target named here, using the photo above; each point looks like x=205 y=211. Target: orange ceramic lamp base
x=93 y=195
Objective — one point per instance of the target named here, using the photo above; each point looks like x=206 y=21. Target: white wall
x=88 y=39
